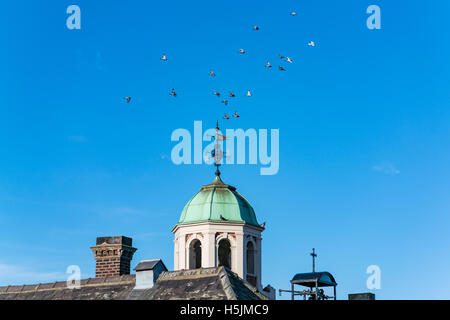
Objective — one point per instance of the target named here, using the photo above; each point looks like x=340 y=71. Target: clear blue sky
x=363 y=117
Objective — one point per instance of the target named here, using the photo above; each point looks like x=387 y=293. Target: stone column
x=175 y=252
x=182 y=251
x=258 y=262
x=240 y=265
x=209 y=260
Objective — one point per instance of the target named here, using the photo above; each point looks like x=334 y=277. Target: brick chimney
x=113 y=256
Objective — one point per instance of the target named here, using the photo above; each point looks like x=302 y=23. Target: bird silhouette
x=222 y=218
x=128 y=99
x=242 y=51
x=235 y=115
x=268 y=65
x=256 y=28
x=312 y=44
x=225 y=101
x=281 y=68
x=211 y=73
x=164 y=58
x=248 y=93
x=293 y=13
x=263 y=224
x=173 y=93
x=289 y=60
x=281 y=56
x=216 y=93
x=232 y=95
x=226 y=117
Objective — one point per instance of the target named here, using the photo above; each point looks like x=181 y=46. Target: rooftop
x=217 y=283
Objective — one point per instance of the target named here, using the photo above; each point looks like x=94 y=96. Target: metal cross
x=314 y=255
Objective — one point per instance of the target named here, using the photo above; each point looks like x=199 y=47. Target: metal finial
x=217 y=150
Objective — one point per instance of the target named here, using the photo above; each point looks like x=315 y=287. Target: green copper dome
x=218 y=202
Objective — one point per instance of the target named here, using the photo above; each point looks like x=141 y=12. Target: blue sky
x=363 y=120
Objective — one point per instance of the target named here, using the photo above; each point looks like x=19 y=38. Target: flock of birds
x=231 y=94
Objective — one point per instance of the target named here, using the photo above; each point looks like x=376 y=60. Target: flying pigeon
x=256 y=28
x=164 y=58
x=211 y=73
x=268 y=65
x=226 y=117
x=248 y=93
x=128 y=99
x=232 y=95
x=216 y=93
x=173 y=93
x=281 y=68
x=312 y=44
x=281 y=56
x=225 y=101
x=235 y=115
x=241 y=51
x=293 y=13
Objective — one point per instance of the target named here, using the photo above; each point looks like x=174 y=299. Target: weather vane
x=217 y=153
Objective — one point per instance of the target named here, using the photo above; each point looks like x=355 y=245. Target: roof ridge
x=188 y=274
x=150 y=260
x=52 y=285
x=226 y=284
x=247 y=284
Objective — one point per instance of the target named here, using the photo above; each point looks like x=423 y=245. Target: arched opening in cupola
x=195 y=254
x=250 y=263
x=224 y=253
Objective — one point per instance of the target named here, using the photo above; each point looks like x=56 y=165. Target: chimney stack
x=113 y=256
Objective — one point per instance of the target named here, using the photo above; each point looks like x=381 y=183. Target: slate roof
x=148 y=265
x=106 y=288
x=217 y=283
x=200 y=284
